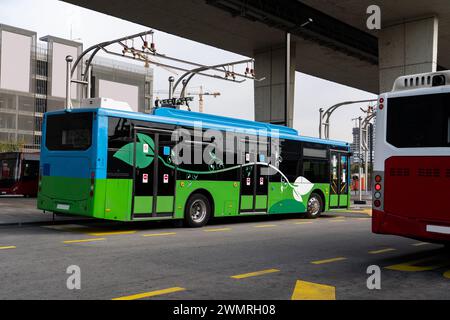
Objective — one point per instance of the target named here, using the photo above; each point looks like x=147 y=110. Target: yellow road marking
x=255 y=274
x=8 y=248
x=267 y=226
x=160 y=234
x=363 y=211
x=382 y=251
x=337 y=220
x=419 y=244
x=112 y=233
x=217 y=230
x=313 y=291
x=305 y=222
x=420 y=265
x=329 y=260
x=447 y=274
x=83 y=241
x=151 y=294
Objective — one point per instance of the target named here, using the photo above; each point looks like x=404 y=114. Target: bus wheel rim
x=314 y=206
x=198 y=211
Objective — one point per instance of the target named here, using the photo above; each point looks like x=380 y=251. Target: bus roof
x=188 y=118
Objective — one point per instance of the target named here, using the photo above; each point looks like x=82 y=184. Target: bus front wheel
x=315 y=206
x=198 y=211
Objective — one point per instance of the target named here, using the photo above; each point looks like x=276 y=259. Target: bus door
x=339 y=189
x=153 y=174
x=254 y=183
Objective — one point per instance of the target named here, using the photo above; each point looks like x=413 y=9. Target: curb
x=38 y=223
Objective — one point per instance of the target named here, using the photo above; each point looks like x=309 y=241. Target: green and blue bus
x=120 y=165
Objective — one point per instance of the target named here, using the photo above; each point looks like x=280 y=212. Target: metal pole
x=69 y=60
x=366 y=149
x=371 y=150
x=327 y=114
x=288 y=81
x=360 y=158
x=366 y=163
x=171 y=81
x=320 y=122
x=89 y=81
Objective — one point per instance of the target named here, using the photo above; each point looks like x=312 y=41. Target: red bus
x=19 y=173
x=411 y=195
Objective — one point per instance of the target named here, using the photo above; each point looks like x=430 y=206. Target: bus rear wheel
x=198 y=211
x=314 y=207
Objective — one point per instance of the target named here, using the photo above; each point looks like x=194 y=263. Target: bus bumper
x=433 y=231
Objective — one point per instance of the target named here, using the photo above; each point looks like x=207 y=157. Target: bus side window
x=448 y=130
x=290 y=159
x=119 y=136
x=30 y=170
x=316 y=170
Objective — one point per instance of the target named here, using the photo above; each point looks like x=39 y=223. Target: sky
x=57 y=18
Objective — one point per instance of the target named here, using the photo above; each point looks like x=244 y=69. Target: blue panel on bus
x=166 y=151
x=186 y=118
x=46 y=169
x=213 y=119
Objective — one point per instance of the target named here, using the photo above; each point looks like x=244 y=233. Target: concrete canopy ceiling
x=204 y=21
x=353 y=12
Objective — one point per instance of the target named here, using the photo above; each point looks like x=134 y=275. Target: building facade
x=33 y=81
x=358 y=154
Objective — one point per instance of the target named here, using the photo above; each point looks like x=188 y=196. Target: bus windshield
x=69 y=132
x=8 y=171
x=419 y=121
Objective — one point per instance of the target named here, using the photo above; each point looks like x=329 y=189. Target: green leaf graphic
x=143 y=160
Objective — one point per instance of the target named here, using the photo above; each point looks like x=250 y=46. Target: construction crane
x=200 y=94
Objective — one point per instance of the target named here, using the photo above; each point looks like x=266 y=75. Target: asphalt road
x=256 y=258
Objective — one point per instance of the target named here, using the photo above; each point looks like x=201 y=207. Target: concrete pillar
x=274 y=100
x=407 y=48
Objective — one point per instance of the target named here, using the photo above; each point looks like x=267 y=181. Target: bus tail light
x=381 y=104
x=378 y=193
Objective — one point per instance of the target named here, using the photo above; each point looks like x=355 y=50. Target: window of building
x=7 y=101
x=41 y=68
x=26 y=123
x=41 y=87
x=148 y=88
x=37 y=124
x=7 y=121
x=41 y=105
x=26 y=104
